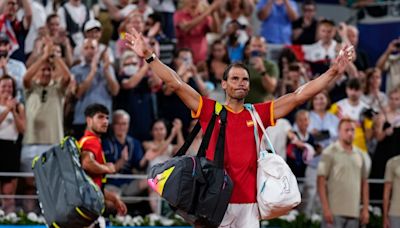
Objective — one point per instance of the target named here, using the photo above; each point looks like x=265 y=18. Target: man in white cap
x=93 y=30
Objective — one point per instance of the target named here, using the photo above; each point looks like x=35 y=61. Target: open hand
x=136 y=43
x=346 y=55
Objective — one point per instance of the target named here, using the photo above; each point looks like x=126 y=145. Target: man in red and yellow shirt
x=93 y=161
x=240 y=149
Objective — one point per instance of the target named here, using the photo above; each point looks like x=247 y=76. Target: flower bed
x=293 y=220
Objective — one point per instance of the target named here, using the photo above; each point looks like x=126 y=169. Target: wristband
x=151 y=58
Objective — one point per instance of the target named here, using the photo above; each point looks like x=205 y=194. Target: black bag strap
x=220 y=147
x=206 y=137
x=189 y=140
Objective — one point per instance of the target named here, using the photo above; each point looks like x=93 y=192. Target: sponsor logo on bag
x=286 y=187
x=157 y=183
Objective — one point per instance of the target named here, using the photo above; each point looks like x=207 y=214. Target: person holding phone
x=264 y=73
x=389 y=62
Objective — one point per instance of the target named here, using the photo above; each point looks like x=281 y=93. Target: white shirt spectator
x=316 y=52
x=166 y=6
x=278 y=136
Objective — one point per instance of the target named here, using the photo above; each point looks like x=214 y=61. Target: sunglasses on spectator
x=44 y=96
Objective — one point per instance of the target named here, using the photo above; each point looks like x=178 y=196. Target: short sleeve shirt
x=240 y=149
x=392 y=174
x=343 y=172
x=90 y=142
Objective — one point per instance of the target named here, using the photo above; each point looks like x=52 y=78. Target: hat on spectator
x=4 y=38
x=91 y=24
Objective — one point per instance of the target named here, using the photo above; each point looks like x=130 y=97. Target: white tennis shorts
x=241 y=215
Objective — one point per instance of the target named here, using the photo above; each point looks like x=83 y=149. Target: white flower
x=377 y=211
x=32 y=217
x=153 y=218
x=166 y=222
x=12 y=217
x=291 y=218
x=127 y=220
x=137 y=221
x=119 y=218
x=295 y=213
x=264 y=223
x=370 y=208
x=41 y=219
x=2 y=214
x=316 y=218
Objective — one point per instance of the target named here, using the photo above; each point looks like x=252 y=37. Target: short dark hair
x=14 y=83
x=93 y=109
x=345 y=120
x=294 y=67
x=309 y=2
x=353 y=83
x=234 y=65
x=327 y=22
x=50 y=17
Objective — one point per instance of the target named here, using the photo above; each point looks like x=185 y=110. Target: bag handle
x=254 y=114
x=189 y=140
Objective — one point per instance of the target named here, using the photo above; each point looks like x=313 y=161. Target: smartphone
x=255 y=54
x=397 y=45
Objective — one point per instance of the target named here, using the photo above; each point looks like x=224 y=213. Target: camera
x=368 y=113
x=397 y=45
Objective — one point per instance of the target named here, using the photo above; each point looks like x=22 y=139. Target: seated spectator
x=9 y=66
x=372 y=96
x=12 y=126
x=161 y=149
x=216 y=65
x=93 y=30
x=300 y=149
x=305 y=28
x=169 y=105
x=279 y=136
x=277 y=17
x=192 y=23
x=45 y=83
x=323 y=124
x=136 y=94
x=126 y=153
x=285 y=59
x=264 y=73
x=389 y=62
x=96 y=83
x=321 y=53
x=16 y=29
x=73 y=16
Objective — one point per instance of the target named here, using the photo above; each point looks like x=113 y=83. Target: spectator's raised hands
x=136 y=43
x=394 y=46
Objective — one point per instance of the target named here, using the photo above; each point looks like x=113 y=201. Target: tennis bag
x=196 y=188
x=68 y=197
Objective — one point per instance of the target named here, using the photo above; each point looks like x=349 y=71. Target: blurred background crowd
x=59 y=56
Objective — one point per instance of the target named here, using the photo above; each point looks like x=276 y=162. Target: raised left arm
x=286 y=103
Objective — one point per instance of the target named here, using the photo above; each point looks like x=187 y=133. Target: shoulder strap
x=258 y=122
x=220 y=147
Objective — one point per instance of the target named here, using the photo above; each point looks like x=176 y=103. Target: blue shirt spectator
x=277 y=17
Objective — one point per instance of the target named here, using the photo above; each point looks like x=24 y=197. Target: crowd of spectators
x=58 y=57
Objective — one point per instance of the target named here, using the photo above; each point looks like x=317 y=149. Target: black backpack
x=196 y=188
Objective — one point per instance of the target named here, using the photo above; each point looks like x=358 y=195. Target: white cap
x=91 y=24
